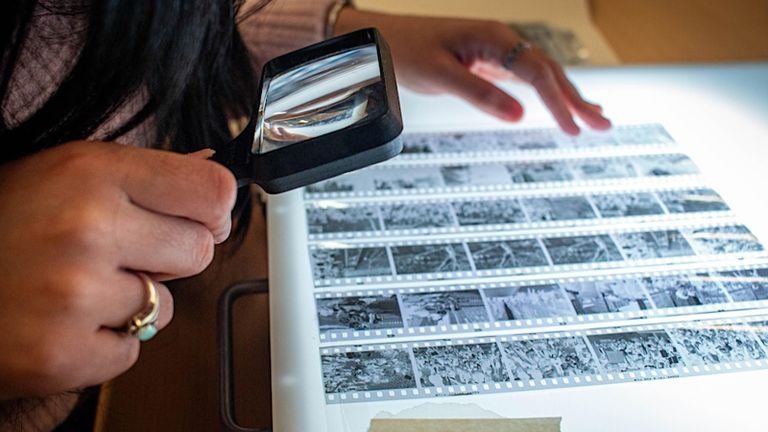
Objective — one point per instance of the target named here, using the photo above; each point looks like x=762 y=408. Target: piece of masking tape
x=452 y=417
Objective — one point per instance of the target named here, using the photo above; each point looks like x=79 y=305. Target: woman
x=95 y=212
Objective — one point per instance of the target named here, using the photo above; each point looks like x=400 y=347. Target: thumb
x=456 y=79
x=205 y=153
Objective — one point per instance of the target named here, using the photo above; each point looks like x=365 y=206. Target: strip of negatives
x=492 y=307
x=336 y=264
x=339 y=220
x=424 y=145
x=420 y=179
x=449 y=367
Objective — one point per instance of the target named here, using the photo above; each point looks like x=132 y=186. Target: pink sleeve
x=283 y=26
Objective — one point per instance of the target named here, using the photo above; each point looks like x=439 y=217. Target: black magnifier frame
x=373 y=139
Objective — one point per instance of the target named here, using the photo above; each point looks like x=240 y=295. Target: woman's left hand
x=462 y=57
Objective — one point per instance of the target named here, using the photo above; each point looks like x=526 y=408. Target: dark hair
x=186 y=56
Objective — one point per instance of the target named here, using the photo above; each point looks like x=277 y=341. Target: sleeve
x=282 y=26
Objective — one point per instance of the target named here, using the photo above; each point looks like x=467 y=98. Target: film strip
x=331 y=220
x=339 y=264
x=426 y=145
x=489 y=308
x=478 y=176
x=467 y=366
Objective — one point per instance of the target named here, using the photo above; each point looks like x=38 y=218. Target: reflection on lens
x=318 y=98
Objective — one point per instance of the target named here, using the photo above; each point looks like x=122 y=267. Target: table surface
x=173 y=387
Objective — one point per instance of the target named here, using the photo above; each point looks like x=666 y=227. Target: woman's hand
x=461 y=57
x=76 y=221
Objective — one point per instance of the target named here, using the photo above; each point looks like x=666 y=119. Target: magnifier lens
x=317 y=98
x=324 y=110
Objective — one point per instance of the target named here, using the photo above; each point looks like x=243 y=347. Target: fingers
x=183 y=186
x=551 y=94
x=557 y=92
x=125 y=297
x=489 y=71
x=533 y=69
x=203 y=153
x=590 y=113
x=168 y=247
x=112 y=351
x=110 y=354
x=540 y=71
x=458 y=80
x=166 y=306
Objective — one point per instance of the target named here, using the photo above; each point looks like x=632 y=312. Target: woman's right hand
x=76 y=221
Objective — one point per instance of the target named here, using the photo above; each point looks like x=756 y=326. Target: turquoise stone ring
x=144 y=324
x=147 y=332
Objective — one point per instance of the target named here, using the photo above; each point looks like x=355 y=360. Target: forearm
x=282 y=26
x=351 y=19
x=36 y=414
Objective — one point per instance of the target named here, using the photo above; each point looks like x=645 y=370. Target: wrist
x=350 y=19
x=334 y=15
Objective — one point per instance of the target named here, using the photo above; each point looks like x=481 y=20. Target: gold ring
x=514 y=54
x=143 y=325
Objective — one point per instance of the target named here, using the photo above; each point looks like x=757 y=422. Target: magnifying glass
x=323 y=110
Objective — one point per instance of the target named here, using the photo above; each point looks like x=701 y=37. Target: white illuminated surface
x=720 y=115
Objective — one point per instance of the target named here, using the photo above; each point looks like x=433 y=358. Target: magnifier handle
x=236 y=155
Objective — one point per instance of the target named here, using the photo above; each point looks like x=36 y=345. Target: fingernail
x=512 y=112
x=222 y=236
x=603 y=123
x=203 y=154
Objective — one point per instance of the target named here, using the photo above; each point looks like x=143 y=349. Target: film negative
x=433 y=178
x=339 y=264
x=525 y=362
x=425 y=145
x=329 y=220
x=490 y=308
x=501 y=261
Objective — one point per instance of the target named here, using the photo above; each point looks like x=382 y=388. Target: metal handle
x=226 y=375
